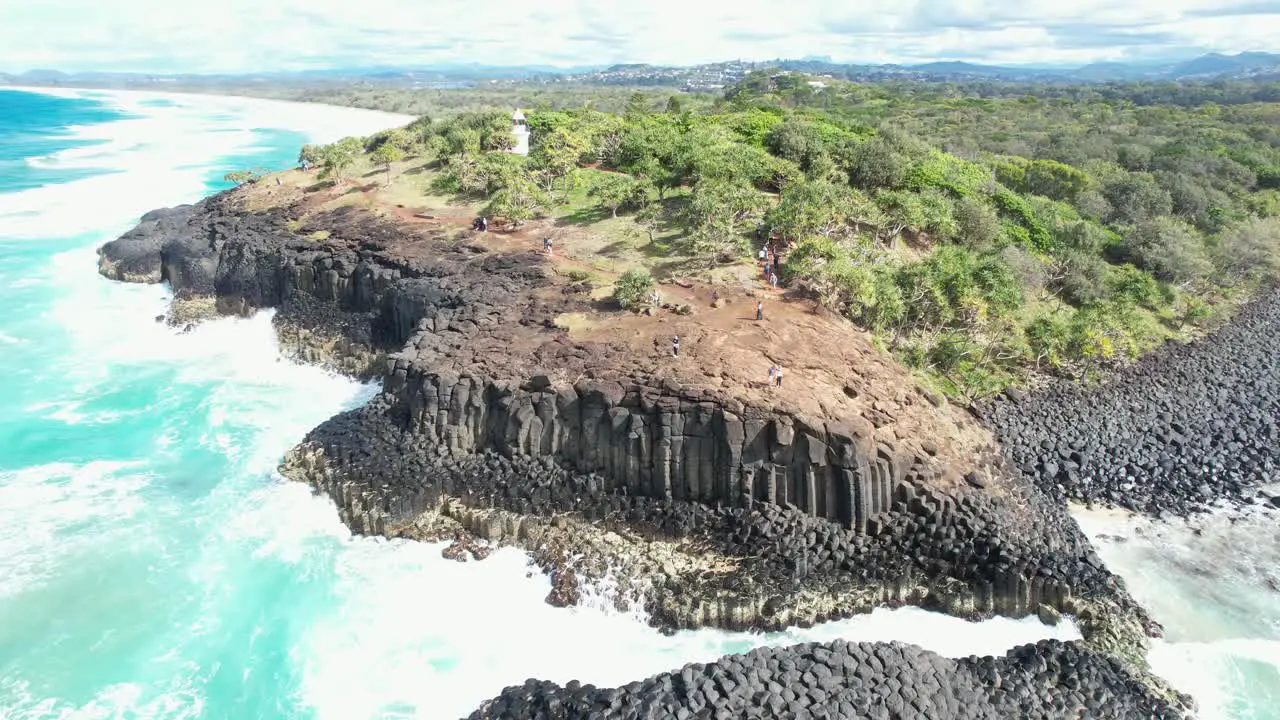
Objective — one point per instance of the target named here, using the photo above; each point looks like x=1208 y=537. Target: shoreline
x=372 y=499
x=194 y=98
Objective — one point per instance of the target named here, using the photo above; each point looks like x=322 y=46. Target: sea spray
x=1213 y=582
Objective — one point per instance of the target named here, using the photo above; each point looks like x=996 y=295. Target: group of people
x=770 y=263
x=480 y=224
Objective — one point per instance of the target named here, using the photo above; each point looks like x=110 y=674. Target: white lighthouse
x=520 y=128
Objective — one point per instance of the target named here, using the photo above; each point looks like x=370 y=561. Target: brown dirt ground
x=832 y=372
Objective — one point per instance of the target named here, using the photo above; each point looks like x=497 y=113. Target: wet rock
x=1048 y=615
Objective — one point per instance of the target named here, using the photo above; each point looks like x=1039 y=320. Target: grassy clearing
x=576 y=324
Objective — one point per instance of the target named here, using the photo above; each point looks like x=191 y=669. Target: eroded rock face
x=136 y=256
x=1049 y=680
x=732 y=509
x=486 y=403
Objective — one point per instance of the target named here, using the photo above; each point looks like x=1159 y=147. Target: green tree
x=402 y=140
x=1135 y=198
x=1055 y=180
x=633 y=289
x=673 y=105
x=462 y=144
x=1171 y=250
x=242 y=177
x=557 y=155
x=797 y=141
x=837 y=273
x=518 y=202
x=977 y=224
x=637 y=106
x=1250 y=248
x=615 y=191
x=650 y=217
x=715 y=216
x=385 y=155
x=310 y=156
x=877 y=164
x=338 y=159
x=495 y=133
x=495 y=171
x=822 y=208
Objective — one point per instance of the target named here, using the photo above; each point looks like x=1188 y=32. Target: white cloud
x=265 y=35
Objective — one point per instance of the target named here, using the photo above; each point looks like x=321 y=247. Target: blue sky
x=269 y=35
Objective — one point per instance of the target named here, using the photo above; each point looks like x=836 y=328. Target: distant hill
x=711 y=76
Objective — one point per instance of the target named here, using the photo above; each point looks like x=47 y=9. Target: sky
x=164 y=36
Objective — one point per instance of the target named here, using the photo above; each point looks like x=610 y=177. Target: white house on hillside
x=520 y=128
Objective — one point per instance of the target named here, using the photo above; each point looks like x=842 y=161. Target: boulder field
x=1187 y=426
x=838 y=680
x=518 y=408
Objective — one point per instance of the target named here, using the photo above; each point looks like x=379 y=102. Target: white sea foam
x=161 y=157
x=1213 y=584
x=38 y=505
x=435 y=638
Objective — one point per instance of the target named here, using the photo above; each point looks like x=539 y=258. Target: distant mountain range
x=1214 y=66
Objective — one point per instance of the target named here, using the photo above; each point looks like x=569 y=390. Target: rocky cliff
x=720 y=502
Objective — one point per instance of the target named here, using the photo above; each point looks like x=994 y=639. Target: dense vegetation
x=978 y=237
x=484 y=97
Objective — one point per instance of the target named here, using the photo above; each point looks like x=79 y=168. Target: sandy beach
x=323 y=123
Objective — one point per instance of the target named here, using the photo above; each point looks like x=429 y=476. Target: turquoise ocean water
x=152 y=563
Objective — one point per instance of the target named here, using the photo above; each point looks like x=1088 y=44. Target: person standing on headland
x=546 y=245
x=759 y=310
x=675 y=346
x=773 y=280
x=773 y=373
x=777 y=376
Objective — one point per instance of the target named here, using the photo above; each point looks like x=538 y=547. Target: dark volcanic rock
x=1049 y=681
x=1186 y=426
x=496 y=420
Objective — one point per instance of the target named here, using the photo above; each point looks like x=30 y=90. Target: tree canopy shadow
x=589 y=215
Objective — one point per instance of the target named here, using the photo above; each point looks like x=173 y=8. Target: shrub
x=977 y=224
x=633 y=288
x=1250 y=248
x=1169 y=249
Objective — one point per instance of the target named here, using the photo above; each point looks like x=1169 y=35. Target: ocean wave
x=154 y=159
x=49 y=513
x=1214 y=583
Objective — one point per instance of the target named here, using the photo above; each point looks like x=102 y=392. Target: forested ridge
x=979 y=237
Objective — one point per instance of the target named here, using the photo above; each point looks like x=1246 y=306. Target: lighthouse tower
x=520 y=128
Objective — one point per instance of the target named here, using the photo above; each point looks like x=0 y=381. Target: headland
x=520 y=406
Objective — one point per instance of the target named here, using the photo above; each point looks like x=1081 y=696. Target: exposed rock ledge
x=883 y=681
x=721 y=504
